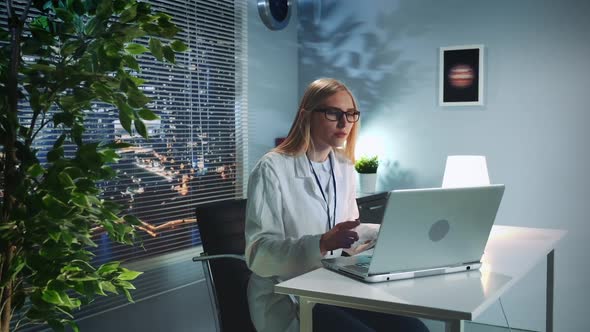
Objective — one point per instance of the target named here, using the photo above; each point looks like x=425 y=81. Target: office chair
x=221 y=225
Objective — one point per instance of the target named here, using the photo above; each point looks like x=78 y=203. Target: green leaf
x=86 y=186
x=128 y=14
x=92 y=26
x=51 y=203
x=131 y=32
x=131 y=62
x=119 y=5
x=43 y=36
x=80 y=200
x=151 y=29
x=129 y=275
x=132 y=220
x=138 y=81
x=42 y=21
x=36 y=170
x=55 y=235
x=135 y=48
x=74 y=172
x=178 y=46
x=56 y=325
x=73 y=325
x=128 y=295
x=109 y=156
x=112 y=48
x=60 y=141
x=4 y=35
x=63 y=117
x=102 y=91
x=31 y=46
x=108 y=267
x=51 y=296
x=140 y=127
x=55 y=154
x=77 y=131
x=66 y=180
x=147 y=114
x=136 y=98
x=65 y=312
x=7 y=227
x=16 y=267
x=367 y=165
x=83 y=265
x=168 y=29
x=169 y=54
x=156 y=48
x=43 y=67
x=107 y=286
x=104 y=9
x=64 y=14
x=125 y=120
x=82 y=278
x=124 y=284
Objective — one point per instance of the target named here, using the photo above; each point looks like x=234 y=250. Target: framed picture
x=461 y=75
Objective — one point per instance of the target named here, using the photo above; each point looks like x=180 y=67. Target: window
x=197 y=148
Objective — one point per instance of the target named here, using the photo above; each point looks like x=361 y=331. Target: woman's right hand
x=340 y=236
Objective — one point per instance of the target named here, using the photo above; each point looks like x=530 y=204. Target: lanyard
x=317 y=180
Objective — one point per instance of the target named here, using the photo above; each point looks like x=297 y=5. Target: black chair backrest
x=221 y=226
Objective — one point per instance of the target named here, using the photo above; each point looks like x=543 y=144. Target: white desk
x=510 y=254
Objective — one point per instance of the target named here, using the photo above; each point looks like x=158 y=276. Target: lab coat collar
x=302 y=165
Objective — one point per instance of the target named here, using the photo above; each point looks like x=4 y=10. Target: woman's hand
x=340 y=236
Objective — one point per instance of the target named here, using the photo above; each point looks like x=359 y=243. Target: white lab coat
x=285 y=219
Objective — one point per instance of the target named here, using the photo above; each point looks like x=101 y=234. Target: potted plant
x=57 y=58
x=366 y=167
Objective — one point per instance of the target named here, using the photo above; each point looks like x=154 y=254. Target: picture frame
x=461 y=75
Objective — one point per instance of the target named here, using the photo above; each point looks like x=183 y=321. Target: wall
x=272 y=101
x=533 y=127
x=273 y=82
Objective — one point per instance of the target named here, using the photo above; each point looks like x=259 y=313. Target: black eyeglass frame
x=356 y=115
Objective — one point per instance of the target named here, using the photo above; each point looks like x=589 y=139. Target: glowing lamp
x=465 y=171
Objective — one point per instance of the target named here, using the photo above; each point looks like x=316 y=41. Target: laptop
x=427 y=232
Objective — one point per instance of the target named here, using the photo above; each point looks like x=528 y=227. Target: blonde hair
x=298 y=140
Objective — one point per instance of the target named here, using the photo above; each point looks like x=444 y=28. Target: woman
x=302 y=205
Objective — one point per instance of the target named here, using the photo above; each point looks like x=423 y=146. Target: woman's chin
x=339 y=143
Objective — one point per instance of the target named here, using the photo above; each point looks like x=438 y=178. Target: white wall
x=272 y=82
x=533 y=127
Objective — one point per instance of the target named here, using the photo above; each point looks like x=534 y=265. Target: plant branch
x=41 y=126
x=6 y=309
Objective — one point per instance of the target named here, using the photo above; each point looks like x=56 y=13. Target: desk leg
x=454 y=326
x=305 y=314
x=550 y=288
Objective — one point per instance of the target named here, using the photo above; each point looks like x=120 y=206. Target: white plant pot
x=367 y=182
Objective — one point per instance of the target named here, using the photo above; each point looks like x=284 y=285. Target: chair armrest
x=205 y=257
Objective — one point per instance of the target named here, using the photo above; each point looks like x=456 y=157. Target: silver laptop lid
x=437 y=227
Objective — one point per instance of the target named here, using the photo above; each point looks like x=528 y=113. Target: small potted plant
x=366 y=167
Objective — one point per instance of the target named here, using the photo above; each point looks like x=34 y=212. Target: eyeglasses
x=336 y=114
